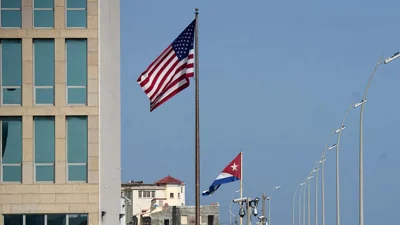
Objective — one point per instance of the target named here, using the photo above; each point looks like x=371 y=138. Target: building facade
x=146 y=199
x=185 y=215
x=60 y=112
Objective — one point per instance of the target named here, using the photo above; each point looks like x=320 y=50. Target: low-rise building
x=185 y=215
x=148 y=198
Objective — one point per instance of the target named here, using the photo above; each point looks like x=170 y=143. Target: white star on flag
x=234 y=166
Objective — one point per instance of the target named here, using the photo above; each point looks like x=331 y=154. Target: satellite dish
x=155 y=205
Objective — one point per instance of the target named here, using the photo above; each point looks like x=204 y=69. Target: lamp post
x=293 y=202
x=304 y=198
x=316 y=193
x=230 y=207
x=337 y=159
x=322 y=162
x=308 y=201
x=361 y=152
x=304 y=202
x=301 y=190
x=250 y=204
x=269 y=203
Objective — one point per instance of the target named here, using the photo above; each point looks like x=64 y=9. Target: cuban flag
x=231 y=173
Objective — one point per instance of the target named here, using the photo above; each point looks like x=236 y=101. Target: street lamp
x=316 y=192
x=269 y=203
x=339 y=130
x=361 y=163
x=253 y=204
x=352 y=106
x=301 y=190
x=293 y=202
x=308 y=201
x=322 y=162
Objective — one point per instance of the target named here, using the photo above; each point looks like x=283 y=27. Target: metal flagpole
x=241 y=180
x=197 y=112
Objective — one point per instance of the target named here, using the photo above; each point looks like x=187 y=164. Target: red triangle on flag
x=235 y=167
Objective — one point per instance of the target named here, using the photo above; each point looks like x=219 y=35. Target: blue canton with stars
x=184 y=42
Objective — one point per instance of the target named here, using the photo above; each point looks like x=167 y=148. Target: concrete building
x=60 y=112
x=185 y=215
x=150 y=198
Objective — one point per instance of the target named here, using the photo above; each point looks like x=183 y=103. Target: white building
x=60 y=112
x=150 y=198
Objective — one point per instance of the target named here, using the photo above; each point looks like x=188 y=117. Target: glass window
x=11 y=146
x=10 y=11
x=76 y=14
x=10 y=71
x=44 y=67
x=13 y=220
x=44 y=148
x=56 y=219
x=43 y=18
x=76 y=50
x=78 y=219
x=49 y=219
x=32 y=219
x=77 y=147
x=43 y=13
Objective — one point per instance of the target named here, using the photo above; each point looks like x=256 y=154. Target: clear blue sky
x=276 y=79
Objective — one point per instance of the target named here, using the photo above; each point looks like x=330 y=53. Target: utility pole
x=263 y=204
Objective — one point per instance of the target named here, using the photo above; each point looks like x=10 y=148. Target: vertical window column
x=43 y=13
x=44 y=137
x=10 y=71
x=77 y=148
x=76 y=65
x=11 y=149
x=76 y=14
x=10 y=14
x=44 y=67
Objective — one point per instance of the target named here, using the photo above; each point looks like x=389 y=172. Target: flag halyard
x=169 y=74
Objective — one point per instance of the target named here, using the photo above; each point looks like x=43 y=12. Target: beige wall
x=61 y=197
x=174 y=188
x=146 y=203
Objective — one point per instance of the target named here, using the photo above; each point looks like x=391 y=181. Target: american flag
x=169 y=74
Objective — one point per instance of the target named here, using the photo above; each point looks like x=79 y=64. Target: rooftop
x=164 y=181
x=169 y=180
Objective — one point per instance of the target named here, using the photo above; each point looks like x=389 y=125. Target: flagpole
x=197 y=112
x=241 y=180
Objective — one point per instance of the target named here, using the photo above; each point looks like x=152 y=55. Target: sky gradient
x=276 y=77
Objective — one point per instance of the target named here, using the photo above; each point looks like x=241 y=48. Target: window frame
x=66 y=153
x=9 y=164
x=34 y=74
x=67 y=87
x=34 y=154
x=74 y=9
x=66 y=215
x=11 y=9
x=1 y=74
x=42 y=9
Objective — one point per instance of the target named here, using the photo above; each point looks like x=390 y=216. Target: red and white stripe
x=166 y=77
